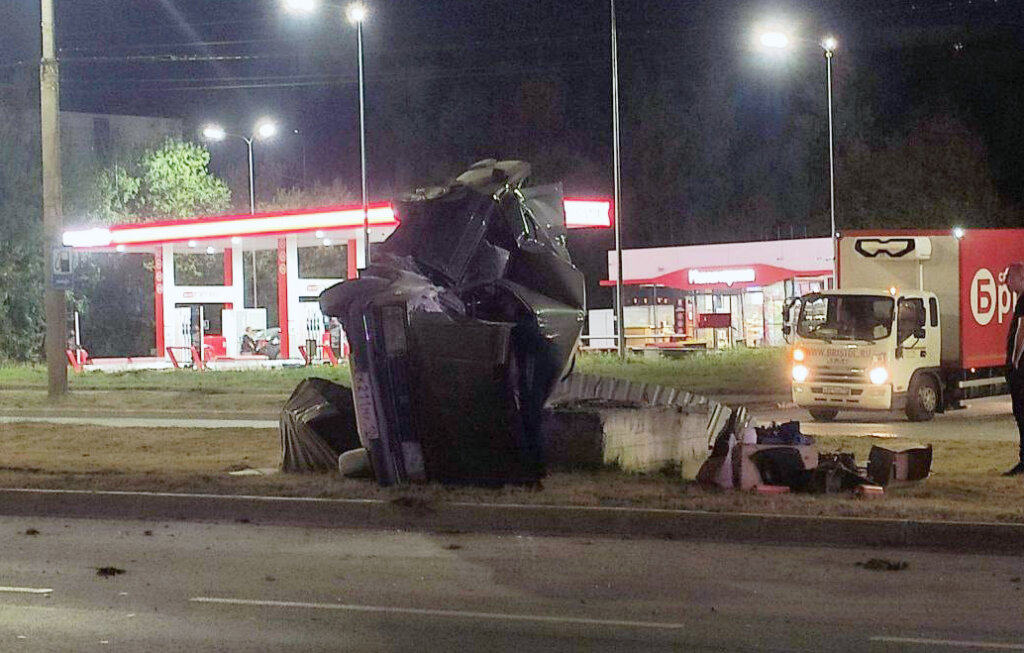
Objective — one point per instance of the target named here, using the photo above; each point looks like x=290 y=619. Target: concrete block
x=573 y=438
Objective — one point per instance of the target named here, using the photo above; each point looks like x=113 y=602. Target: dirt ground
x=965 y=482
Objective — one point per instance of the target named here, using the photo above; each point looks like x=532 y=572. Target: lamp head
x=300 y=6
x=214 y=133
x=356 y=12
x=829 y=43
x=265 y=129
x=774 y=40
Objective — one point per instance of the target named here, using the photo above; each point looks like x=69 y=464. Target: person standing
x=1014 y=355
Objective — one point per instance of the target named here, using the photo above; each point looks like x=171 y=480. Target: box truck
x=918 y=323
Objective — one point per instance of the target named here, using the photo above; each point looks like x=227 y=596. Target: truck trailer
x=918 y=323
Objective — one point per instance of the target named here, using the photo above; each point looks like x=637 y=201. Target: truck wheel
x=922 y=399
x=823 y=414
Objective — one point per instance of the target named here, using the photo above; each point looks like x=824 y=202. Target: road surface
x=984 y=419
x=246 y=587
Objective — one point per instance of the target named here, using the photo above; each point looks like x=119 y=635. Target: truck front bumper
x=846 y=396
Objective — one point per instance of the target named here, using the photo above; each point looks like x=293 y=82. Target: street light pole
x=54 y=301
x=265 y=128
x=357 y=17
x=616 y=163
x=252 y=182
x=356 y=13
x=252 y=211
x=831 y=162
x=779 y=40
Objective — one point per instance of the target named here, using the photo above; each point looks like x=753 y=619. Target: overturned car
x=461 y=326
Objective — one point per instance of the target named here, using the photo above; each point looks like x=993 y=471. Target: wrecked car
x=460 y=327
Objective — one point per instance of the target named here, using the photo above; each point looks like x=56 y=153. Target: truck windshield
x=845 y=317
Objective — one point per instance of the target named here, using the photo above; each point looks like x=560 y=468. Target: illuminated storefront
x=720 y=294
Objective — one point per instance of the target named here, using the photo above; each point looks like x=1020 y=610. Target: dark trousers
x=1016 y=382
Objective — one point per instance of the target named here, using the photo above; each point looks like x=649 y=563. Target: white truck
x=918 y=323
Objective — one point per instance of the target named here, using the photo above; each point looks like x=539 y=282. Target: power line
x=342 y=80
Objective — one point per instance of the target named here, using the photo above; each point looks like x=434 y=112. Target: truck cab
x=866 y=349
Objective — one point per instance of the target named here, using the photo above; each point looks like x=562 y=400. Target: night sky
x=493 y=65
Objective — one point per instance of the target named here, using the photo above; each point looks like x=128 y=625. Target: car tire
x=922 y=398
x=823 y=414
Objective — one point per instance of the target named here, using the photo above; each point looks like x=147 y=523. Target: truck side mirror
x=787 y=307
x=919 y=333
x=786 y=329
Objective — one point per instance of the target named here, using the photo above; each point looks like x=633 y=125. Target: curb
x=416 y=515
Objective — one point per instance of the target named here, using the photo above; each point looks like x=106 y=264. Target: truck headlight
x=878 y=375
x=800 y=373
x=799 y=354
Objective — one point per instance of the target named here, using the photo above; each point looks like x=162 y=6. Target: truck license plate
x=831 y=390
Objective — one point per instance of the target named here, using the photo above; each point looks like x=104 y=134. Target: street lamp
x=264 y=129
x=778 y=40
x=616 y=169
x=357 y=14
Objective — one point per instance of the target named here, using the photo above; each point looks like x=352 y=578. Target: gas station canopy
x=287 y=232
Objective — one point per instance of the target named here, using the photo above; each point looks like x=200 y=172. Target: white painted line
x=952 y=643
x=496 y=616
x=25 y=590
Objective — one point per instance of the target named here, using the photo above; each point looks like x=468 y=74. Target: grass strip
x=965 y=484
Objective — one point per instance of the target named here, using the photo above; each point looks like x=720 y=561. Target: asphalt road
x=984 y=419
x=246 y=587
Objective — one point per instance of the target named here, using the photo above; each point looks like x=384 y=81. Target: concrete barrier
x=638 y=427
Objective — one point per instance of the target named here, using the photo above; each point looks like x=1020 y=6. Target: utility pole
x=620 y=324
x=49 y=111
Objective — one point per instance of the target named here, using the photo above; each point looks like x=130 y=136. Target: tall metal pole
x=832 y=172
x=252 y=211
x=619 y=323
x=49 y=113
x=252 y=181
x=362 y=147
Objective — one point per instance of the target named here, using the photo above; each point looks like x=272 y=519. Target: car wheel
x=922 y=399
x=823 y=414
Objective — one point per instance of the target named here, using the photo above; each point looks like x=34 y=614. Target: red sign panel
x=986 y=304
x=714 y=320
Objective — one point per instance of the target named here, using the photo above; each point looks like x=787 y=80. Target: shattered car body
x=460 y=328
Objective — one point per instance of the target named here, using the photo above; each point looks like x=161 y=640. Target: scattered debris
x=355 y=464
x=147 y=533
x=453 y=547
x=910 y=463
x=1015 y=579
x=764 y=459
x=318 y=423
x=109 y=572
x=253 y=471
x=270 y=579
x=32 y=531
x=881 y=564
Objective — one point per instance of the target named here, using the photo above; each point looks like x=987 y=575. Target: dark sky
x=235 y=60
x=255 y=60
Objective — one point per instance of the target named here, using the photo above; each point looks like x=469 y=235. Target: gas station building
x=718 y=295
x=286 y=233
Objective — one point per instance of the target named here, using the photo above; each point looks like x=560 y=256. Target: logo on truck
x=990 y=298
x=891 y=247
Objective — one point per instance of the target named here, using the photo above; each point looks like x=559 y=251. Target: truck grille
x=826 y=374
